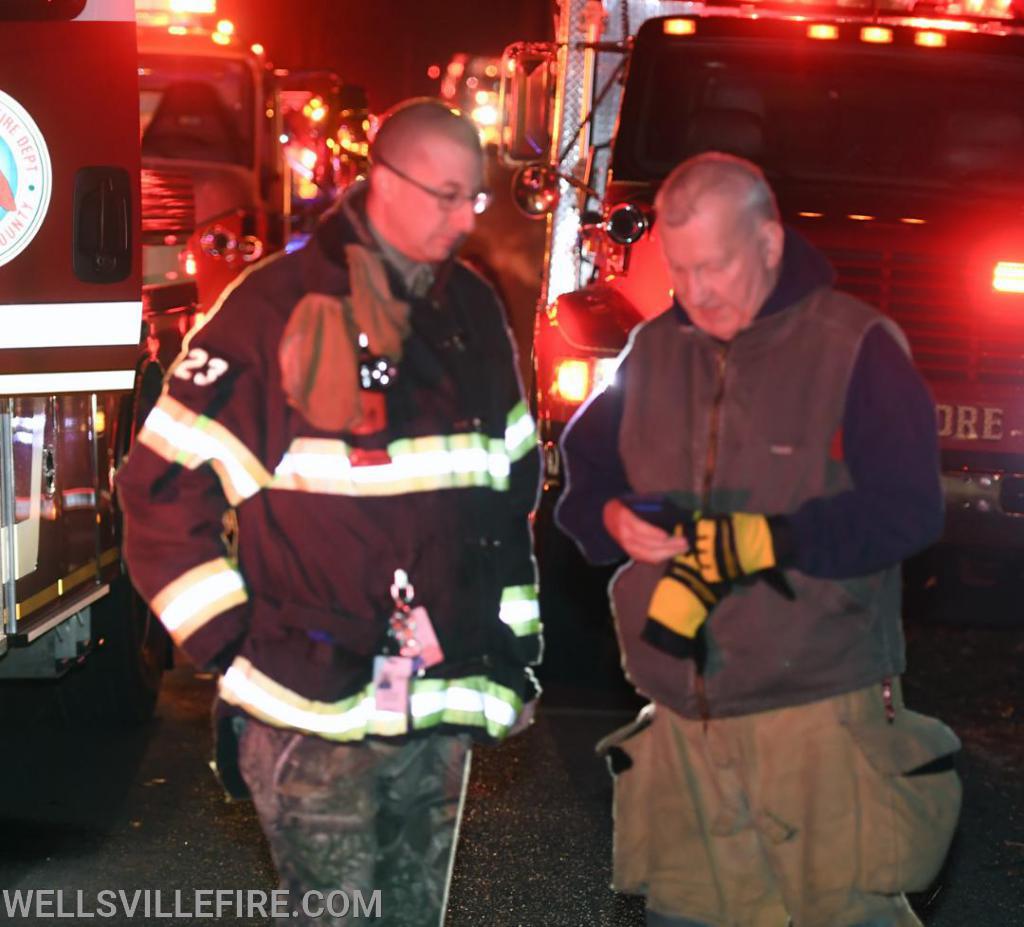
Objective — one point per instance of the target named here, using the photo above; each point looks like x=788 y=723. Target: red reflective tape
x=835 y=451
x=60 y=360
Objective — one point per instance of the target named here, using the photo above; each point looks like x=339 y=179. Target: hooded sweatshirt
x=887 y=440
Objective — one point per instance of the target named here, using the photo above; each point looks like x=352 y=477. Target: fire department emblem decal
x=26 y=178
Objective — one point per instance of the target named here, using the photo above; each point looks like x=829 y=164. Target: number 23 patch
x=200 y=368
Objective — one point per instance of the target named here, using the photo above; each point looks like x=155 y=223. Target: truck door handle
x=103 y=231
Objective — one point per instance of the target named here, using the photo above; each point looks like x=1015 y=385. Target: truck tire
x=119 y=680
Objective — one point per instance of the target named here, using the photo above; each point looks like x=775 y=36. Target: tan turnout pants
x=803 y=813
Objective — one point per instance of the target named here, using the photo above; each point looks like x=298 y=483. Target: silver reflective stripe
x=92 y=381
x=520 y=609
x=200 y=596
x=473 y=701
x=199 y=446
x=415 y=465
x=61 y=325
x=238 y=689
x=463 y=701
x=521 y=433
x=351 y=718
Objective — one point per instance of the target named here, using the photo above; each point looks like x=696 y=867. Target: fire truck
x=238 y=159
x=70 y=327
x=471 y=84
x=893 y=136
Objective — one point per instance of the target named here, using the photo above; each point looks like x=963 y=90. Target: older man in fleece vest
x=766 y=459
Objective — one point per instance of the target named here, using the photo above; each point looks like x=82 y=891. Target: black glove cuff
x=667 y=641
x=783 y=540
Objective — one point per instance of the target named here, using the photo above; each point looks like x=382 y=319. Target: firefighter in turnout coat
x=354 y=410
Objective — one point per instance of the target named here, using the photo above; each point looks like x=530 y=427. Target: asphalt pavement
x=91 y=811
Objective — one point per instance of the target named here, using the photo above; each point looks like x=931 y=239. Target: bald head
x=730 y=180
x=413 y=125
x=426 y=179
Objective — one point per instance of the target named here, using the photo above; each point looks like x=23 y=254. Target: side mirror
x=527 y=99
x=535 y=190
x=627 y=224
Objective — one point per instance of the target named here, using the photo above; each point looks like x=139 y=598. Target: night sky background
x=386 y=45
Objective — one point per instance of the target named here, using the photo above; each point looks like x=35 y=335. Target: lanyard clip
x=402 y=591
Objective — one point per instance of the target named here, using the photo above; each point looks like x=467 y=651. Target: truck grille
x=168 y=204
x=929 y=297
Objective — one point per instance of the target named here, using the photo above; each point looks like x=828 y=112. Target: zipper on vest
x=710 y=462
x=711 y=458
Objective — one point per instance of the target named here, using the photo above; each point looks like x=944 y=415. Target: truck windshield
x=805 y=112
x=196 y=109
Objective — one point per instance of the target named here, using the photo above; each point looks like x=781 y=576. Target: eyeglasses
x=448 y=200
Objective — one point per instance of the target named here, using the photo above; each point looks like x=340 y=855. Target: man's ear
x=381 y=184
x=772 y=238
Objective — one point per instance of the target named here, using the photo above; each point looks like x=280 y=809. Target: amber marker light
x=680 y=27
x=572 y=380
x=822 y=31
x=929 y=39
x=877 y=35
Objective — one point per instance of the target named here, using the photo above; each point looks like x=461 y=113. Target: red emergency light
x=932 y=9
x=1008 y=277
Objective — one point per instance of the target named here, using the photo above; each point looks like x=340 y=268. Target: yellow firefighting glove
x=728 y=547
x=681 y=603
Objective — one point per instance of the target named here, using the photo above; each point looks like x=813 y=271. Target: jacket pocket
x=909 y=796
x=319 y=625
x=627 y=751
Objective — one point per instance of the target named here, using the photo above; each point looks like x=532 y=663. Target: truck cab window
x=196 y=109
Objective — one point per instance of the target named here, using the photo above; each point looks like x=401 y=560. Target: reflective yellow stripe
x=416 y=465
x=473 y=701
x=520 y=432
x=63 y=585
x=350 y=718
x=198 y=596
x=520 y=609
x=181 y=436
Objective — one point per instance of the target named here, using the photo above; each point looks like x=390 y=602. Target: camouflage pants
x=359 y=818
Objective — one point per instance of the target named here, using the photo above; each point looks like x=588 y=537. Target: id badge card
x=391 y=683
x=423 y=644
